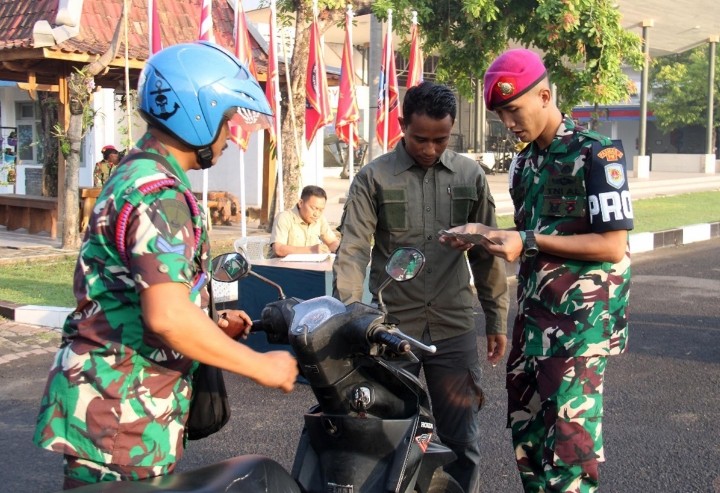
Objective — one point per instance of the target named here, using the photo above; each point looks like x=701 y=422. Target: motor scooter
x=372 y=430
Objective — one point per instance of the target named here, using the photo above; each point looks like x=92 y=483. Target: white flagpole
x=351 y=149
x=386 y=94
x=241 y=158
x=206 y=27
x=280 y=199
x=243 y=205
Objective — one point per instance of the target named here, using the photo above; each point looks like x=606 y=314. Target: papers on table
x=307 y=257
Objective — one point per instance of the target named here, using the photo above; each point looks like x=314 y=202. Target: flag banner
x=348 y=113
x=243 y=52
x=272 y=76
x=415 y=64
x=388 y=85
x=155 y=37
x=317 y=104
x=206 y=22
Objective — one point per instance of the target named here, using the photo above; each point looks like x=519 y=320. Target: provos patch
x=615 y=175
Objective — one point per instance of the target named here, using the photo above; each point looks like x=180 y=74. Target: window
x=28 y=123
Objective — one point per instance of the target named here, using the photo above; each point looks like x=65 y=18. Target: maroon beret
x=511 y=75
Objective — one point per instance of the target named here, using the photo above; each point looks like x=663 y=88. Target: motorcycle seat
x=244 y=474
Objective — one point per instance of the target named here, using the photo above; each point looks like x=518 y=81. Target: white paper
x=307 y=257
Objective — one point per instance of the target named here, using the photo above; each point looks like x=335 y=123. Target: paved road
x=662 y=407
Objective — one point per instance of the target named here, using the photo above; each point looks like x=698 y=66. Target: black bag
x=209 y=408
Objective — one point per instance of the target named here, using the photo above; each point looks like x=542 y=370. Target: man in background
x=111 y=158
x=304 y=228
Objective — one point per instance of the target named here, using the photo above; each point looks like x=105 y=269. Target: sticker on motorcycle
x=423 y=441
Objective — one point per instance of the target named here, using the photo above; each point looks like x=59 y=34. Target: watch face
x=530 y=251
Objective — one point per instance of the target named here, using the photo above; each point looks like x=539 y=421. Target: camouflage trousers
x=81 y=472
x=555 y=415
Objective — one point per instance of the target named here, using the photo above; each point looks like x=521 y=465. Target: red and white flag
x=388 y=111
x=348 y=113
x=206 y=22
x=154 y=33
x=317 y=104
x=415 y=64
x=243 y=52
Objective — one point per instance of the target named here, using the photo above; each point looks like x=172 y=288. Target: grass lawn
x=50 y=283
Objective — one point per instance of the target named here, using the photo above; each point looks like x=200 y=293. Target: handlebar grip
x=395 y=343
x=257 y=326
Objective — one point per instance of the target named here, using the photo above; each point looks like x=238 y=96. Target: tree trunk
x=293 y=130
x=80 y=95
x=49 y=143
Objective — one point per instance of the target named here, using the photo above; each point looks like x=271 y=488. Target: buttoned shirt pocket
x=463 y=199
x=393 y=209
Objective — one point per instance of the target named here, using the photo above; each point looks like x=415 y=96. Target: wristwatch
x=530 y=248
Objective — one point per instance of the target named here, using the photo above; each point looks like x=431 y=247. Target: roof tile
x=179 y=23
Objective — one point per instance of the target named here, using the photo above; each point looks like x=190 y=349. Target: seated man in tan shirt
x=304 y=229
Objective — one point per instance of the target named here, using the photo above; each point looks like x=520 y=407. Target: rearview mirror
x=229 y=267
x=405 y=263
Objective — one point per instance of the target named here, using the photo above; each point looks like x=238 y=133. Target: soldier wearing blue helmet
x=119 y=390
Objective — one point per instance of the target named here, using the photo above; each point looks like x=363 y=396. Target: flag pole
x=386 y=93
x=280 y=199
x=351 y=140
x=241 y=155
x=206 y=33
x=128 y=104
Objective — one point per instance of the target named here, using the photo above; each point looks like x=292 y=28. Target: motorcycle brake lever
x=430 y=349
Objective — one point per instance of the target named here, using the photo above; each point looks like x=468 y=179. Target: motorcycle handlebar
x=396 y=344
x=257 y=326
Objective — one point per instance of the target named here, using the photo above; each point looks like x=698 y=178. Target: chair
x=253 y=248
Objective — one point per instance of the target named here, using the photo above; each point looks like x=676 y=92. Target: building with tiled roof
x=43 y=41
x=45 y=37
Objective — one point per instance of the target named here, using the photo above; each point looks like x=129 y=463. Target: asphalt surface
x=662 y=409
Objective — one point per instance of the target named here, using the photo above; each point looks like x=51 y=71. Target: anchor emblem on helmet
x=161 y=101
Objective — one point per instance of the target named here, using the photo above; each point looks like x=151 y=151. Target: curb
x=52 y=316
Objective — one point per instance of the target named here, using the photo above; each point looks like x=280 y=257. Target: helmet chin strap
x=204 y=157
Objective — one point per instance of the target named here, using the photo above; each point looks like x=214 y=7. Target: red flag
x=415 y=64
x=272 y=75
x=206 y=23
x=348 y=113
x=155 y=37
x=317 y=105
x=243 y=52
x=391 y=86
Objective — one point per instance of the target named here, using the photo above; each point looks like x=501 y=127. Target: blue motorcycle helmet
x=189 y=90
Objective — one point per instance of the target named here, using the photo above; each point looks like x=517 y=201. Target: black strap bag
x=209 y=408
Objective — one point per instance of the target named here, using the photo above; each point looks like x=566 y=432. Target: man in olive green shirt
x=404 y=198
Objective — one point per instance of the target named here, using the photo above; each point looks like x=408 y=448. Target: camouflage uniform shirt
x=571 y=308
x=394 y=202
x=116 y=393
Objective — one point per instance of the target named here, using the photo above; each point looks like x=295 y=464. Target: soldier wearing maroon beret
x=572 y=216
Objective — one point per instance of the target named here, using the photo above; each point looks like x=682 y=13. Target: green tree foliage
x=680 y=90
x=584 y=43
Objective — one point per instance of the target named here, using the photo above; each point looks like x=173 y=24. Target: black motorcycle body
x=372 y=430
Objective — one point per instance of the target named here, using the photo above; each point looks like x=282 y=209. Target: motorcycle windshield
x=312 y=313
